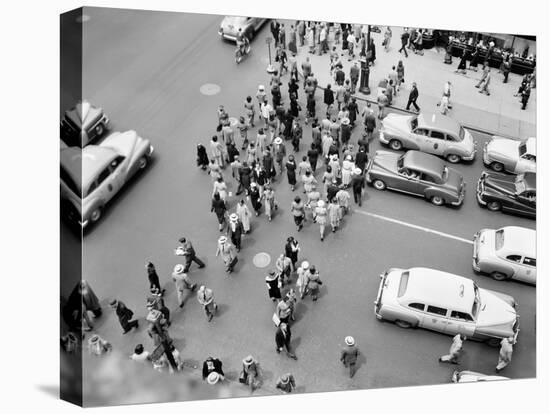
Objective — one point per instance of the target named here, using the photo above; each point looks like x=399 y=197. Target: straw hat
x=320 y=203
x=345 y=121
x=357 y=171
x=178 y=269
x=261 y=87
x=277 y=141
x=213 y=378
x=350 y=341
x=248 y=360
x=271 y=275
x=285 y=379
x=305 y=265
x=234 y=217
x=348 y=157
x=222 y=239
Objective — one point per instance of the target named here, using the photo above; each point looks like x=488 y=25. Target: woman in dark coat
x=202 y=157
x=294 y=107
x=297 y=133
x=273 y=285
x=218 y=207
x=345 y=34
x=244 y=175
x=291 y=171
x=154 y=282
x=255 y=198
x=353 y=111
x=288 y=118
x=328 y=97
x=372 y=49
x=462 y=64
x=291 y=250
x=293 y=88
x=268 y=164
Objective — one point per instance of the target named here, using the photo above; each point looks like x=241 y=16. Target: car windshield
x=400 y=162
x=234 y=20
x=414 y=123
x=522 y=149
x=403 y=284
x=477 y=302
x=461 y=133
x=520 y=184
x=499 y=239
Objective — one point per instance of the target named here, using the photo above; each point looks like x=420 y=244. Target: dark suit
x=235 y=235
x=124 y=317
x=282 y=341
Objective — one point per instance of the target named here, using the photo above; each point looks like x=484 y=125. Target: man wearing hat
x=186 y=250
x=345 y=131
x=250 y=373
x=205 y=296
x=505 y=354
x=286 y=383
x=182 y=282
x=454 y=351
x=279 y=151
x=282 y=340
x=154 y=282
x=349 y=355
x=357 y=185
x=227 y=252
x=235 y=231
x=212 y=365
x=124 y=316
x=283 y=265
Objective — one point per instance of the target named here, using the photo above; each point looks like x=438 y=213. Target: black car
x=512 y=194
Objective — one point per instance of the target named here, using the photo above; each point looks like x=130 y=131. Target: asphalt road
x=146 y=69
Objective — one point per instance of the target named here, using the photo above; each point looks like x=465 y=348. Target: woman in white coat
x=244 y=215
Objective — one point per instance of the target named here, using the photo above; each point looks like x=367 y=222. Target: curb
x=395 y=108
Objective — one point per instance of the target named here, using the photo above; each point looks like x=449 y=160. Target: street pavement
x=146 y=70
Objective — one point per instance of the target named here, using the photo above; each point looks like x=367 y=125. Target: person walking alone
x=404 y=41
x=124 y=316
x=182 y=282
x=292 y=248
x=413 y=96
x=282 y=340
x=205 y=297
x=298 y=212
x=286 y=383
x=314 y=282
x=273 y=283
x=454 y=351
x=218 y=207
x=228 y=253
x=244 y=215
x=357 y=184
x=505 y=353
x=235 y=231
x=186 y=250
x=349 y=354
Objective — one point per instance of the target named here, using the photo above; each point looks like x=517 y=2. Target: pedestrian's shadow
x=301 y=388
x=295 y=343
x=247 y=242
x=222 y=308
x=232 y=375
x=299 y=311
x=361 y=360
x=323 y=290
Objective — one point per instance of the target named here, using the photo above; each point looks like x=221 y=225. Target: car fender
x=434 y=191
x=497 y=266
x=90 y=205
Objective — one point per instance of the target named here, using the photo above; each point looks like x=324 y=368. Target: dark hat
x=113 y=303
x=182 y=240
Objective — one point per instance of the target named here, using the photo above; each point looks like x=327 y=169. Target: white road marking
x=414 y=226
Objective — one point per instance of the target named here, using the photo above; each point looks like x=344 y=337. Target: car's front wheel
x=494 y=206
x=453 y=158
x=396 y=145
x=96 y=215
x=403 y=324
x=497 y=166
x=499 y=276
x=493 y=342
x=143 y=162
x=437 y=200
x=379 y=185
x=99 y=130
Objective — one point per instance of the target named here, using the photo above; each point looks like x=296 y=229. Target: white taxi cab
x=506 y=253
x=446 y=303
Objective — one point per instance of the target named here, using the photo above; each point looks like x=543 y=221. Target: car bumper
x=471 y=156
x=479 y=191
x=383 y=138
x=475 y=261
x=227 y=36
x=486 y=159
x=460 y=197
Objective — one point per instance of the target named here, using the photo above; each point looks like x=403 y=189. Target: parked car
x=230 y=26
x=91 y=176
x=504 y=154
x=83 y=124
x=432 y=133
x=447 y=303
x=416 y=173
x=472 y=376
x=507 y=253
x=512 y=194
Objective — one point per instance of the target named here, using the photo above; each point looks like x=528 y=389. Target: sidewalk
x=500 y=113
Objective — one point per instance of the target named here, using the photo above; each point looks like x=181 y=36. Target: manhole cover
x=261 y=260
x=83 y=18
x=210 y=89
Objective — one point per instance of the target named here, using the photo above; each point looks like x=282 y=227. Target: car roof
x=234 y=19
x=434 y=287
x=531 y=144
x=425 y=163
x=530 y=179
x=520 y=240
x=438 y=121
x=83 y=165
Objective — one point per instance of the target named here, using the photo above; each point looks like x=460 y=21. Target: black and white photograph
x=284 y=203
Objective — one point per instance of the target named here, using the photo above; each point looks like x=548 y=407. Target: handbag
x=243 y=376
x=275 y=319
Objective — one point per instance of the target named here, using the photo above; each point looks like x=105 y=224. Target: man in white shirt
x=140 y=355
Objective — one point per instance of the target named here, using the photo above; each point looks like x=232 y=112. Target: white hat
x=233 y=217
x=305 y=265
x=261 y=87
x=345 y=121
x=178 y=269
x=248 y=360
x=202 y=288
x=213 y=378
x=357 y=171
x=348 y=157
x=349 y=340
x=222 y=239
x=278 y=141
x=285 y=378
x=320 y=203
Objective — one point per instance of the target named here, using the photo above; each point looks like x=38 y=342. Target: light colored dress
x=321 y=215
x=244 y=215
x=347 y=168
x=309 y=182
x=269 y=197
x=221 y=189
x=333 y=210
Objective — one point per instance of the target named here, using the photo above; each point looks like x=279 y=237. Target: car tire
x=499 y=276
x=143 y=162
x=493 y=342
x=96 y=215
x=379 y=185
x=396 y=145
x=494 y=206
x=437 y=200
x=403 y=324
x=453 y=158
x=497 y=166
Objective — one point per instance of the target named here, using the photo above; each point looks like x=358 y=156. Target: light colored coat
x=244 y=215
